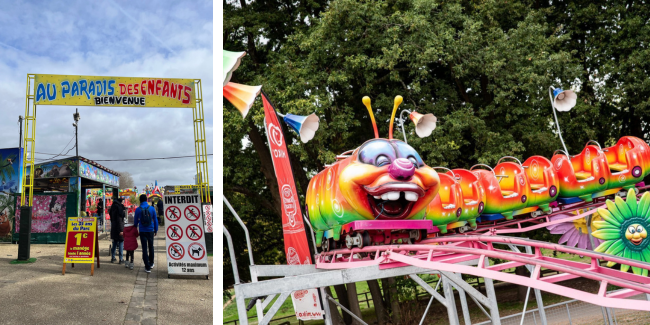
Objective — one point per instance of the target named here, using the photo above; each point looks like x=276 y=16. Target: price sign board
x=185 y=238
x=80 y=240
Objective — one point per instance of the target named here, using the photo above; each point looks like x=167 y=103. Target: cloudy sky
x=154 y=38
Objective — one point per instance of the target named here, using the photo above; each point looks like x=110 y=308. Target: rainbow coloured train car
x=383 y=192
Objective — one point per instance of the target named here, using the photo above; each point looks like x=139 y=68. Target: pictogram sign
x=174 y=232
x=192 y=213
x=196 y=251
x=173 y=213
x=176 y=251
x=194 y=232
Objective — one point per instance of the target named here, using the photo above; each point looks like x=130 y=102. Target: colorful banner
x=295 y=239
x=48 y=214
x=113 y=91
x=59 y=168
x=11 y=170
x=80 y=240
x=184 y=235
x=91 y=172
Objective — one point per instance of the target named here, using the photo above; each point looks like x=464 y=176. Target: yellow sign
x=113 y=91
x=80 y=240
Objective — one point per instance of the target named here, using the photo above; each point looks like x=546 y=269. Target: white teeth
x=377 y=197
x=393 y=196
x=411 y=196
x=384 y=196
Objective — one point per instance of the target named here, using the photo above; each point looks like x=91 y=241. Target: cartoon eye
x=377 y=152
x=639 y=228
x=382 y=161
x=632 y=230
x=414 y=161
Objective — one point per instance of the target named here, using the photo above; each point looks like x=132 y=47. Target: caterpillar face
x=387 y=179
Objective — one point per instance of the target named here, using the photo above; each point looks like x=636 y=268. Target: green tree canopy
x=482 y=67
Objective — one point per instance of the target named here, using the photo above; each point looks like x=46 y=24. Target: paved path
x=38 y=294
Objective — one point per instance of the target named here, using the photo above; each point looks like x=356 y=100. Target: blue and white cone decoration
x=564 y=100
x=306 y=126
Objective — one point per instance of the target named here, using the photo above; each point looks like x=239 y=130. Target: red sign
x=176 y=251
x=192 y=213
x=173 y=213
x=174 y=232
x=196 y=251
x=194 y=232
x=295 y=239
x=81 y=244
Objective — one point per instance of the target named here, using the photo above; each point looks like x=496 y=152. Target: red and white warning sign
x=174 y=232
x=175 y=251
x=192 y=213
x=186 y=250
x=207 y=213
x=196 y=251
x=173 y=213
x=194 y=232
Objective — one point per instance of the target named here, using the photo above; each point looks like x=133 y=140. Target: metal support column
x=452 y=312
x=538 y=293
x=326 y=307
x=27 y=186
x=203 y=177
x=492 y=297
x=104 y=206
x=274 y=309
x=463 y=303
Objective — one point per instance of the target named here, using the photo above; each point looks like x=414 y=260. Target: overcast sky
x=169 y=39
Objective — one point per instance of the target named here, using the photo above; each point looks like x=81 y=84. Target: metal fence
x=366 y=295
x=576 y=312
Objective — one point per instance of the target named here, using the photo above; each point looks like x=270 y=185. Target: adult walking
x=161 y=211
x=147 y=222
x=100 y=212
x=117 y=229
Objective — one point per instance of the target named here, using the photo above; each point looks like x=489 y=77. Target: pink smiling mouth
x=636 y=241
x=393 y=200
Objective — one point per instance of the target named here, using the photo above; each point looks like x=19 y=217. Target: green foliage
x=482 y=67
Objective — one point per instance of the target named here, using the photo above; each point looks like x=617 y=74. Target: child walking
x=130 y=242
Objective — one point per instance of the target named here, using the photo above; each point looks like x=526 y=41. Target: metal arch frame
x=30 y=143
x=29 y=140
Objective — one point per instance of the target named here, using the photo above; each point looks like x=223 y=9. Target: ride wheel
x=325 y=244
x=366 y=240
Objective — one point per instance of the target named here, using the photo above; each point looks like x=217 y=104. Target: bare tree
x=126 y=181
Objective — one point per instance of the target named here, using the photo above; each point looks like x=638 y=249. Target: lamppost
x=76 y=117
x=80 y=205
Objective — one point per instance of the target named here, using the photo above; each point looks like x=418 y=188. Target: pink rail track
x=444 y=254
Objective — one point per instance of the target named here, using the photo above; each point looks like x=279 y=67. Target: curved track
x=444 y=254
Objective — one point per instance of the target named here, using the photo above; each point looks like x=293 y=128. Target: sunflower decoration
x=624 y=229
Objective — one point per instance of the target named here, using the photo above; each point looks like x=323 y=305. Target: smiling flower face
x=624 y=230
x=636 y=233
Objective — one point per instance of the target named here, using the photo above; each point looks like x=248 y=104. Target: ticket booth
x=60 y=192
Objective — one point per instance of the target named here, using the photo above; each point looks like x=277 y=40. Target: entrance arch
x=72 y=90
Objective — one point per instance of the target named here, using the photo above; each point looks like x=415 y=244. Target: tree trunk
x=342 y=294
x=384 y=286
x=354 y=301
x=394 y=303
x=521 y=290
x=334 y=309
x=377 y=300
